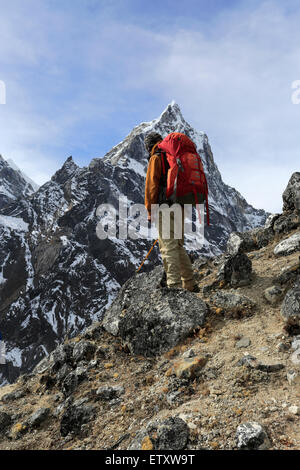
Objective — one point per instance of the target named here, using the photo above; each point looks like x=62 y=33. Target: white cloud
x=231 y=76
x=235 y=84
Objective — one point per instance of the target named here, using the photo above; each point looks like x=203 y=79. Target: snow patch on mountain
x=12 y=164
x=14 y=223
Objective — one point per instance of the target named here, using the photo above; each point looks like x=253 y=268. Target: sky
x=80 y=74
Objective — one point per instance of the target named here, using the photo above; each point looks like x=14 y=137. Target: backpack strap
x=163 y=161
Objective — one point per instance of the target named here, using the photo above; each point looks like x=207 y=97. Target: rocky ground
x=175 y=370
x=93 y=393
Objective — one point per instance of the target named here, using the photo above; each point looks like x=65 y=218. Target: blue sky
x=81 y=74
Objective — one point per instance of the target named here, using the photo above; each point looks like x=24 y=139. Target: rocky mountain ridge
x=13 y=183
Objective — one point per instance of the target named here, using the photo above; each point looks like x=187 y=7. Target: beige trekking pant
x=177 y=263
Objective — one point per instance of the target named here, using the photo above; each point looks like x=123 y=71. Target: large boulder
x=169 y=434
x=234 y=305
x=241 y=242
x=290 y=219
x=151 y=321
x=291 y=195
x=75 y=419
x=286 y=222
x=288 y=246
x=289 y=275
x=236 y=270
x=271 y=220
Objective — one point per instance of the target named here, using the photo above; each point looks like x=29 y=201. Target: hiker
x=177 y=264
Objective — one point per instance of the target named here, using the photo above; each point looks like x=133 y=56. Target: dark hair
x=152 y=139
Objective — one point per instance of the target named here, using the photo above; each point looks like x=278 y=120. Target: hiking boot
x=196 y=289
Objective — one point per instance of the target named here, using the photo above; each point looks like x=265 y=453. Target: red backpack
x=186 y=181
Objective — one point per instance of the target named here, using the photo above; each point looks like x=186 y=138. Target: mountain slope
x=13 y=183
x=26 y=178
x=56 y=275
x=231 y=384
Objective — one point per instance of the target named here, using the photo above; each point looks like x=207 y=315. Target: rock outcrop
x=151 y=321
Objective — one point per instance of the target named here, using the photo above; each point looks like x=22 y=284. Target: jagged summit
x=66 y=171
x=132 y=147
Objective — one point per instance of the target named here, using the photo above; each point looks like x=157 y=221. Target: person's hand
x=149 y=218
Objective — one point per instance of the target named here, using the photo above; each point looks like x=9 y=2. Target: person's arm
x=152 y=182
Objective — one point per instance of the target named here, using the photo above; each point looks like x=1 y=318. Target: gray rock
x=294 y=410
x=189 y=353
x=63 y=372
x=44 y=256
x=290 y=308
x=84 y=350
x=174 y=397
x=94 y=331
x=296 y=343
x=5 y=421
x=289 y=275
x=264 y=236
x=243 y=343
x=293 y=377
x=152 y=321
x=282 y=347
x=270 y=367
x=236 y=270
x=241 y=243
x=291 y=195
x=93 y=363
x=248 y=361
x=252 y=436
x=288 y=246
x=252 y=363
x=234 y=304
x=295 y=357
x=69 y=384
x=74 y=419
x=200 y=263
x=81 y=373
x=80 y=401
x=169 y=434
x=172 y=434
x=273 y=294
x=43 y=365
x=48 y=381
x=107 y=393
x=60 y=356
x=270 y=220
x=286 y=222
x=38 y=417
x=15 y=395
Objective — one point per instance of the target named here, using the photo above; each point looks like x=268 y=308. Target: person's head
x=152 y=139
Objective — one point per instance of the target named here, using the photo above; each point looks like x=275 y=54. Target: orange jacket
x=153 y=179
